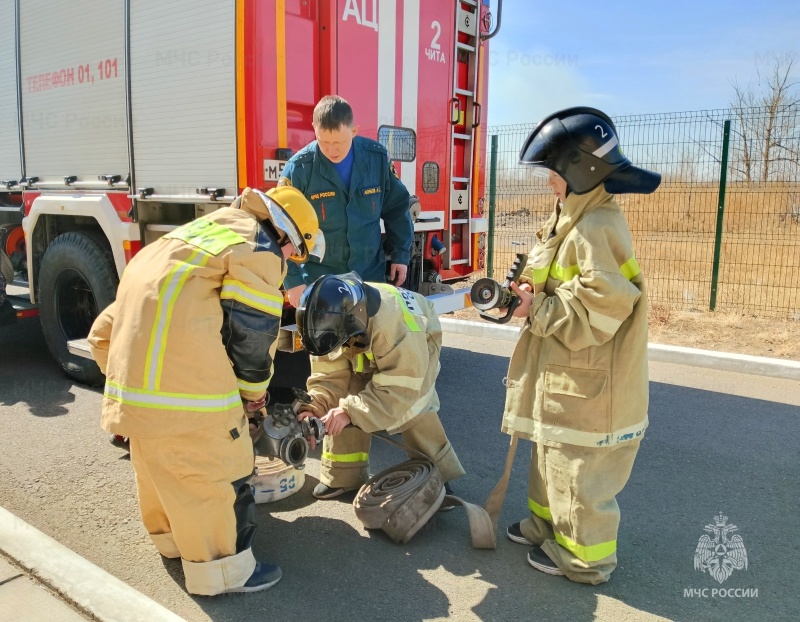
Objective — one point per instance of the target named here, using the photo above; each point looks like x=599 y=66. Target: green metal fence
x=723 y=230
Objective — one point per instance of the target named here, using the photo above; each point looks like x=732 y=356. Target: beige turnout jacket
x=578 y=375
x=391 y=382
x=194 y=327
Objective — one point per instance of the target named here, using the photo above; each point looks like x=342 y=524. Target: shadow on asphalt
x=705 y=453
x=21 y=375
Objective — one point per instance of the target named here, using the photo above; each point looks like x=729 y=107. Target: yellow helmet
x=291 y=212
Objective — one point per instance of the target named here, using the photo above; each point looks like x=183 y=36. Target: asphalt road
x=718 y=442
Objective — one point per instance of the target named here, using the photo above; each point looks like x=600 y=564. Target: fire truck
x=123 y=119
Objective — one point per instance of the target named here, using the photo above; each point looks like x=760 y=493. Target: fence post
x=492 y=195
x=723 y=180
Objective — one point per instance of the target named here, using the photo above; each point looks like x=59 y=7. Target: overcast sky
x=633 y=57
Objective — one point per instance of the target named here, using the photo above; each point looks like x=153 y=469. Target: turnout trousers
x=345 y=458
x=574 y=513
x=196 y=503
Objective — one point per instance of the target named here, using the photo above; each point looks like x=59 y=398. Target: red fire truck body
x=122 y=120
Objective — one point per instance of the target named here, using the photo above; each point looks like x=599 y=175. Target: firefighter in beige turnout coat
x=376 y=358
x=577 y=383
x=191 y=336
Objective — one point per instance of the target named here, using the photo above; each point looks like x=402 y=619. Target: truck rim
x=75 y=305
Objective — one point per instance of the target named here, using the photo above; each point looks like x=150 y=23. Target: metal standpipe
x=492 y=199
x=723 y=180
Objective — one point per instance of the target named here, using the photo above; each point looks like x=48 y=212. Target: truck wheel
x=78 y=279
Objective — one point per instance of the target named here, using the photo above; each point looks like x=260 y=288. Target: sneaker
x=540 y=560
x=514 y=534
x=321 y=491
x=448 y=490
x=263 y=577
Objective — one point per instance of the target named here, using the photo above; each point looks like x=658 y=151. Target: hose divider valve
x=488 y=294
x=281 y=435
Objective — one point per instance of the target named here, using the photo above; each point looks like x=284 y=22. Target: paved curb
x=77 y=580
x=743 y=363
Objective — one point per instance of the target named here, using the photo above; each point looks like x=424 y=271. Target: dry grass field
x=722 y=332
x=758 y=294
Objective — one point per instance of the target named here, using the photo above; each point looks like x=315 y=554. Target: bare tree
x=767 y=122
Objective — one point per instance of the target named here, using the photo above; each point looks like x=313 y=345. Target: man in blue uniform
x=352 y=185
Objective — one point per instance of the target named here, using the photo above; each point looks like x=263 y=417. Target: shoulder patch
x=322 y=195
x=305 y=155
x=373 y=145
x=284 y=181
x=393 y=170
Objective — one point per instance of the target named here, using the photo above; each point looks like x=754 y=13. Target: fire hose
x=399 y=500
x=402 y=498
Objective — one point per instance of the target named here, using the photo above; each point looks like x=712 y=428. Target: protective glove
x=251 y=407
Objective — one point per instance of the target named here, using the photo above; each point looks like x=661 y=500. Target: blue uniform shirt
x=345 y=167
x=350 y=215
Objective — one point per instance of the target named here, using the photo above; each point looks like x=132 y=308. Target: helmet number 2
x=603 y=133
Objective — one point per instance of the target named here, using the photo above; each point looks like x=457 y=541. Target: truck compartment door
x=183 y=96
x=10 y=160
x=73 y=90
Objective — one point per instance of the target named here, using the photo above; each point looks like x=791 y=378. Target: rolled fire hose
x=274 y=480
x=402 y=498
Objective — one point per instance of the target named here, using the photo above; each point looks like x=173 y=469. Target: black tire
x=78 y=279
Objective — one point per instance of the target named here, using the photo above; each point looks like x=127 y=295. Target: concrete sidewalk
x=22 y=599
x=47 y=582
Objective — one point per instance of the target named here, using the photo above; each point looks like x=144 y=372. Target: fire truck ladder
x=464 y=118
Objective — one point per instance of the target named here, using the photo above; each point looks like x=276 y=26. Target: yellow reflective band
x=252 y=386
x=564 y=274
x=630 y=269
x=408 y=317
x=360 y=363
x=161 y=400
x=608 y=325
x=206 y=235
x=356 y=457
x=406 y=382
x=539 y=510
x=238 y=291
x=540 y=275
x=591 y=553
x=538 y=431
x=167 y=296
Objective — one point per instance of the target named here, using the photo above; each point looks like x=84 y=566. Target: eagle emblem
x=719 y=552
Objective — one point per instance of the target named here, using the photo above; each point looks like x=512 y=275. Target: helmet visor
x=318 y=250
x=542 y=143
x=283 y=221
x=320 y=331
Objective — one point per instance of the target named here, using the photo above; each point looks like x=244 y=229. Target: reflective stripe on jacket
x=350 y=217
x=386 y=386
x=194 y=327
x=578 y=374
